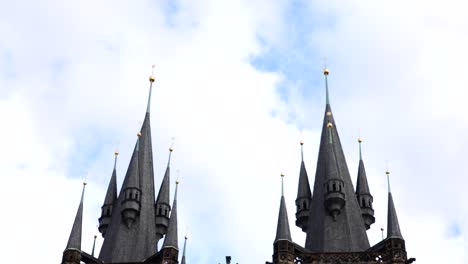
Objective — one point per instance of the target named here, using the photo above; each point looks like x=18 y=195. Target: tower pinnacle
x=282 y=229
x=151 y=80
x=393 y=227
x=363 y=194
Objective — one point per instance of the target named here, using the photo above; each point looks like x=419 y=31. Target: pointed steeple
x=171 y=238
x=183 y=252
x=363 y=194
x=131 y=202
x=393 y=227
x=162 y=205
x=74 y=241
x=335 y=221
x=134 y=242
x=111 y=198
x=282 y=229
x=303 y=195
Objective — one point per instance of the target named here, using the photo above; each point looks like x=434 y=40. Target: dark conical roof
x=164 y=191
x=111 y=194
x=132 y=178
x=183 y=252
x=303 y=190
x=171 y=237
x=362 y=187
x=282 y=229
x=347 y=232
x=74 y=241
x=393 y=227
x=123 y=244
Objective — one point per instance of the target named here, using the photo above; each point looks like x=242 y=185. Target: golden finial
x=139 y=134
x=329 y=113
x=359 y=140
x=329 y=125
x=326 y=71
x=84 y=183
x=177 y=181
x=95 y=236
x=151 y=78
x=302 y=142
x=186 y=237
x=171 y=149
x=387 y=172
x=282 y=174
x=116 y=152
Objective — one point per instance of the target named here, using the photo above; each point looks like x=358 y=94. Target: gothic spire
x=134 y=242
x=303 y=195
x=363 y=194
x=171 y=238
x=111 y=197
x=183 y=252
x=393 y=227
x=74 y=241
x=282 y=229
x=335 y=222
x=162 y=205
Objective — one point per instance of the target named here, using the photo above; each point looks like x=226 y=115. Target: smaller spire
x=282 y=230
x=74 y=241
x=171 y=236
x=393 y=227
x=183 y=251
x=151 y=80
x=94 y=246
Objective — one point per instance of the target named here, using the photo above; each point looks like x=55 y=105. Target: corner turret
x=162 y=206
x=72 y=253
x=111 y=198
x=131 y=201
x=303 y=195
x=363 y=195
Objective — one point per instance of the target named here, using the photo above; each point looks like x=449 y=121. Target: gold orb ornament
x=359 y=140
x=326 y=71
x=139 y=134
x=329 y=125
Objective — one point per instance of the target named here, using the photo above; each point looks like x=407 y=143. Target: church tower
x=335 y=216
x=133 y=220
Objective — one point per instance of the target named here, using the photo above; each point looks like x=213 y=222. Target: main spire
x=282 y=229
x=133 y=242
x=393 y=227
x=335 y=222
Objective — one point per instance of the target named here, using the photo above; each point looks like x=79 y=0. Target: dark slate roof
x=111 y=194
x=164 y=191
x=183 y=252
x=171 y=237
x=362 y=187
x=282 y=230
x=132 y=178
x=347 y=233
x=74 y=241
x=393 y=227
x=303 y=189
x=122 y=244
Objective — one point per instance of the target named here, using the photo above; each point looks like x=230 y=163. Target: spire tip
x=359 y=139
x=326 y=71
x=151 y=78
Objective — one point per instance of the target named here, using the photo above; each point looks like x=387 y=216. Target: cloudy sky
x=238 y=85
